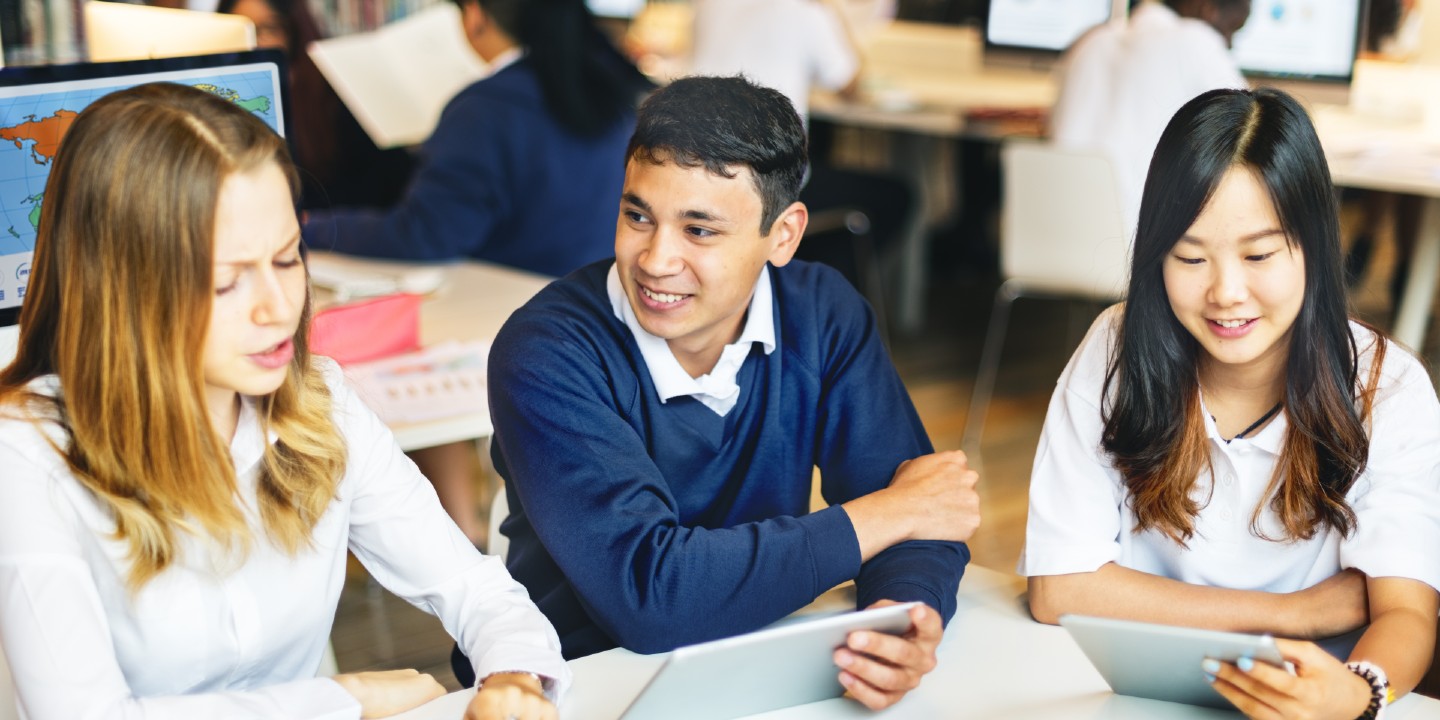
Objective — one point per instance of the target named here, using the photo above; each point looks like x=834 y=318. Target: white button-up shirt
x=212 y=637
x=1080 y=518
x=716 y=389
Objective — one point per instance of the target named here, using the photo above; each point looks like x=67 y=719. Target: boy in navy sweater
x=658 y=417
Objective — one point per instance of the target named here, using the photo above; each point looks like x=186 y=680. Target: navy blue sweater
x=500 y=180
x=650 y=525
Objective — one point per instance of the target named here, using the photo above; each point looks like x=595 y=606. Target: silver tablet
x=1162 y=662
x=778 y=667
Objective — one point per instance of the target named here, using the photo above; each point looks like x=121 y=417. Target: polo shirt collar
x=1270 y=438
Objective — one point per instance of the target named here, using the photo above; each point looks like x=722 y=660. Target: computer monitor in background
x=623 y=9
x=37 y=105
x=1301 y=40
x=1035 y=32
x=120 y=31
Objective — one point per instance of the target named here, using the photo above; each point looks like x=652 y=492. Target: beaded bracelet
x=1380 y=695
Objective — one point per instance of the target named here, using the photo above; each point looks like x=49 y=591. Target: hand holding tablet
x=779 y=667
x=878 y=669
x=1164 y=662
x=1310 y=679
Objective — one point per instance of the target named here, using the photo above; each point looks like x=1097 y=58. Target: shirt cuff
x=554 y=673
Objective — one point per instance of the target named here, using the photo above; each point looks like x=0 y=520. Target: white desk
x=1374 y=155
x=473 y=303
x=995 y=662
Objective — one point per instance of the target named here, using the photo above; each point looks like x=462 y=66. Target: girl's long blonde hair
x=118 y=308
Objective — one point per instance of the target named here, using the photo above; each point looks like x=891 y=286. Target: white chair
x=1062 y=235
x=497 y=544
x=8 y=711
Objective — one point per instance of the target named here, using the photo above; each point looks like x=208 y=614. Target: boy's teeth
x=661 y=297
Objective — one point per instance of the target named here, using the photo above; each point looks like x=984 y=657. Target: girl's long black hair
x=1154 y=431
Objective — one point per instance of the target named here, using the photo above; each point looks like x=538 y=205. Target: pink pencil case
x=367 y=330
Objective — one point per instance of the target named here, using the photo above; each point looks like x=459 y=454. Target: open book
x=438 y=382
x=397 y=79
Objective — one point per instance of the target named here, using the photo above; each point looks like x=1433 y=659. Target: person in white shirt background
x=1227 y=450
x=182 y=479
x=1120 y=82
x=796 y=46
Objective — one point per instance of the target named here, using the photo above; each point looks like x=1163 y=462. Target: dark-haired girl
x=1228 y=450
x=525 y=166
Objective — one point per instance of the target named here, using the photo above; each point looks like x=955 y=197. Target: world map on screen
x=32 y=126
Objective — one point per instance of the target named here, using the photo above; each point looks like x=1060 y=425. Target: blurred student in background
x=339 y=165
x=525 y=166
x=524 y=169
x=796 y=46
x=182 y=479
x=1120 y=83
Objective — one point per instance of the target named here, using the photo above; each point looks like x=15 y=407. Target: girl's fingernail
x=1210 y=666
x=846 y=679
x=1209 y=678
x=1245 y=664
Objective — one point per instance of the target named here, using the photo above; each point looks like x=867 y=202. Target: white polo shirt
x=1080 y=518
x=716 y=389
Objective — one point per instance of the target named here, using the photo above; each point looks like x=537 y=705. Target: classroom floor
x=375 y=630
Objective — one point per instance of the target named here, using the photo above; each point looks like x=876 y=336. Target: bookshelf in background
x=40 y=32
x=343 y=17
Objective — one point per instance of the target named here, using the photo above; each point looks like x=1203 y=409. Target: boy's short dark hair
x=722 y=122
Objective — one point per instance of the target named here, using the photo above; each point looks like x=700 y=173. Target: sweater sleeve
x=583 y=477
x=867 y=427
x=453 y=204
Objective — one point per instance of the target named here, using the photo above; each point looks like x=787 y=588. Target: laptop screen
x=1042 y=25
x=1315 y=40
x=37 y=105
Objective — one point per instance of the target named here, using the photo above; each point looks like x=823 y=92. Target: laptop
x=1162 y=662
x=778 y=667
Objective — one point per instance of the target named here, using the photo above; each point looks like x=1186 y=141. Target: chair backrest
x=497 y=544
x=1062 y=229
x=8 y=711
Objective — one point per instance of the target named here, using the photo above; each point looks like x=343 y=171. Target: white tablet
x=760 y=671
x=1162 y=662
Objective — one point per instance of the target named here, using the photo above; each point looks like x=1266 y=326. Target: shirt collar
x=1270 y=438
x=504 y=60
x=671 y=380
